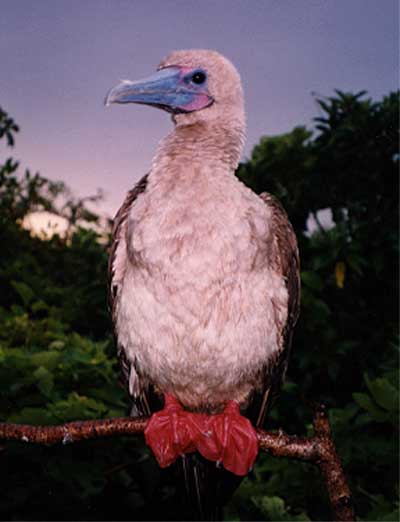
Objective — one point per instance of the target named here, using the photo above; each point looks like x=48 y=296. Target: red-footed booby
x=204 y=274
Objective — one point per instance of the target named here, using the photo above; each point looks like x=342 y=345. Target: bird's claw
x=170 y=432
x=234 y=441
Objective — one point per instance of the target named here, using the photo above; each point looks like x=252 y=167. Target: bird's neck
x=190 y=147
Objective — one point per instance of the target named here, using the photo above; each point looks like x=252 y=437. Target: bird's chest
x=199 y=296
x=197 y=232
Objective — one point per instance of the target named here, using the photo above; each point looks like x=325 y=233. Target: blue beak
x=165 y=89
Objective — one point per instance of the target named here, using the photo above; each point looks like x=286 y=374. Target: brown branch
x=331 y=467
x=318 y=449
x=72 y=431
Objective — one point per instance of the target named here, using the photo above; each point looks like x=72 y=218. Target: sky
x=59 y=58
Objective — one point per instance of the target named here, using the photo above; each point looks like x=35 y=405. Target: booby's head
x=195 y=86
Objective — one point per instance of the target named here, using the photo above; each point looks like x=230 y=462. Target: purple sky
x=59 y=58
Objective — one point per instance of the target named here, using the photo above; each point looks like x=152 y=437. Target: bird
x=204 y=283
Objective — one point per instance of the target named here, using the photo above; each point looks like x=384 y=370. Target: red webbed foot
x=227 y=437
x=171 y=432
x=230 y=440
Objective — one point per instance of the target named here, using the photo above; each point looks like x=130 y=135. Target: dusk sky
x=59 y=59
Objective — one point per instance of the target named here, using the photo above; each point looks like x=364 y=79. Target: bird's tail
x=207 y=487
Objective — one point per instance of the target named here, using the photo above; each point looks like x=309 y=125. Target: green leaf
x=39 y=306
x=364 y=400
x=33 y=416
x=384 y=393
x=44 y=380
x=57 y=345
x=77 y=407
x=24 y=291
x=273 y=508
x=312 y=280
x=49 y=359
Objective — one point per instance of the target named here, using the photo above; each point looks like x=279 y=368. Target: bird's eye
x=199 y=77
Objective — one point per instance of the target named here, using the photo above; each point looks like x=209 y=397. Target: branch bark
x=318 y=449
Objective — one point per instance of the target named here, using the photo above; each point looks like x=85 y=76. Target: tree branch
x=72 y=431
x=318 y=449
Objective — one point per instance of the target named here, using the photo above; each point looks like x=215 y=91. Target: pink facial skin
x=201 y=98
x=201 y=101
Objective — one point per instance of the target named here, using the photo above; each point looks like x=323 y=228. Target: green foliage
x=381 y=401
x=8 y=128
x=57 y=359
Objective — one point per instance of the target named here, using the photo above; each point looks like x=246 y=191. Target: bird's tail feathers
x=207 y=486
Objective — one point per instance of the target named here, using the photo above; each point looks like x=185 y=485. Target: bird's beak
x=164 y=89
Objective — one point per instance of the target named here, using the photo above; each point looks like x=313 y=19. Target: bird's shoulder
x=286 y=249
x=285 y=255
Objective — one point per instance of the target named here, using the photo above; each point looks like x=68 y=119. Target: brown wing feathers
x=285 y=260
x=116 y=273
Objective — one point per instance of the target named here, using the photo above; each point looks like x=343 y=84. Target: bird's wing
x=285 y=261
x=117 y=264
